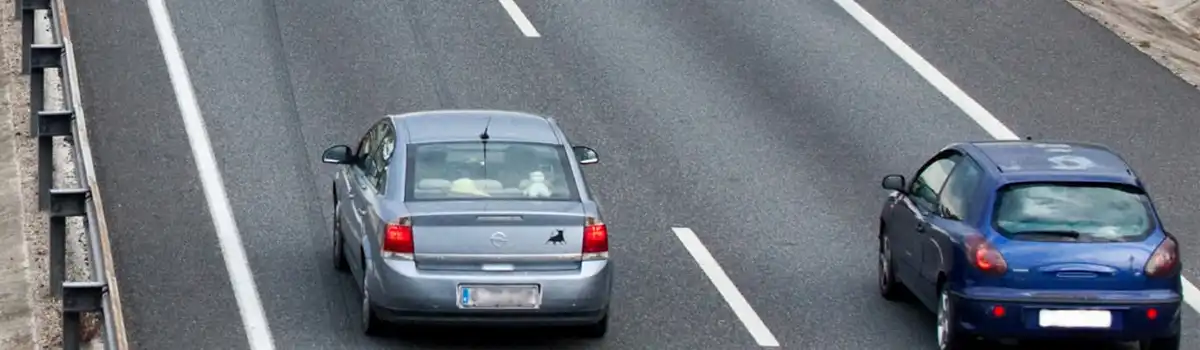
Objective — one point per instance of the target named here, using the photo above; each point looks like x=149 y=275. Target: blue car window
x=957 y=192
x=929 y=181
x=1097 y=212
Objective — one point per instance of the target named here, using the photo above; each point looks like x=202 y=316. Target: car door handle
x=361 y=211
x=920 y=227
x=350 y=195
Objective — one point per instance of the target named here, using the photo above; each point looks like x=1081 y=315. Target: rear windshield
x=1073 y=212
x=509 y=171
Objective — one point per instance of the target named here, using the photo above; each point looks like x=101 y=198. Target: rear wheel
x=948 y=335
x=596 y=330
x=339 y=249
x=889 y=287
x=1169 y=343
x=371 y=324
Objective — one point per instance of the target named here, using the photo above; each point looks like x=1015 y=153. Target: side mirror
x=586 y=155
x=339 y=154
x=893 y=182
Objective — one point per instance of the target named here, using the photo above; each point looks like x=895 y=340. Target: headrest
x=433 y=184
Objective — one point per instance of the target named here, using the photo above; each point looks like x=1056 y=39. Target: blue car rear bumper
x=1130 y=310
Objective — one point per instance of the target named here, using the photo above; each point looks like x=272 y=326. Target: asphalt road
x=763 y=126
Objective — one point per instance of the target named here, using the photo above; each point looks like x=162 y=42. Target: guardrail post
x=49 y=124
x=78 y=298
x=41 y=57
x=64 y=203
x=25 y=10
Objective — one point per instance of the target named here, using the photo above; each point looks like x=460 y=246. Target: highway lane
x=1070 y=78
x=164 y=245
x=268 y=149
x=762 y=126
x=1049 y=71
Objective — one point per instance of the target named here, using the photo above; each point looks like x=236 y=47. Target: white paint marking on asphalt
x=519 y=18
x=1191 y=295
x=254 y=319
x=927 y=71
x=960 y=98
x=725 y=286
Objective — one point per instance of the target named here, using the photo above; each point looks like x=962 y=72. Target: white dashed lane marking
x=519 y=18
x=762 y=335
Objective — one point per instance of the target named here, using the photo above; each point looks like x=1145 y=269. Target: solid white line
x=985 y=119
x=725 y=286
x=254 y=320
x=1191 y=295
x=519 y=18
x=931 y=74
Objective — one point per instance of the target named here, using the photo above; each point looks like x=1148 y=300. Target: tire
x=371 y=324
x=889 y=287
x=339 y=249
x=948 y=335
x=596 y=330
x=1169 y=343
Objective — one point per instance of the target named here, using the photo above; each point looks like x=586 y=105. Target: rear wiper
x=1057 y=233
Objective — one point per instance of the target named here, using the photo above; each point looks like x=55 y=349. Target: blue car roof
x=1027 y=161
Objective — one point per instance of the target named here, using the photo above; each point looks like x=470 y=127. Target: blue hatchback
x=1031 y=240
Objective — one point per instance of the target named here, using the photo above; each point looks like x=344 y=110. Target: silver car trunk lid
x=497 y=235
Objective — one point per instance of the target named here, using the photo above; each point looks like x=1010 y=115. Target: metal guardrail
x=97 y=295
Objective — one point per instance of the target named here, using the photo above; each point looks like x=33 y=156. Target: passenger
x=519 y=162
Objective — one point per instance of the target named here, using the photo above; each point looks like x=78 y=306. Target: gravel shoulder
x=16 y=306
x=1166 y=30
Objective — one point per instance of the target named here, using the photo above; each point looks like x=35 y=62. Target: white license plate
x=500 y=297
x=1075 y=318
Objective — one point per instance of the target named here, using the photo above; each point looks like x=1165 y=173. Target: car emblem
x=499 y=239
x=556 y=237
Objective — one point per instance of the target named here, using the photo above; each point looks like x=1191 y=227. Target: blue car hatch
x=1057 y=265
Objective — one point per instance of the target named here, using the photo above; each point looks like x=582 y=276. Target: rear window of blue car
x=1073 y=212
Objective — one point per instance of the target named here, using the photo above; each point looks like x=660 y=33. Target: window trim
x=1151 y=214
x=410 y=161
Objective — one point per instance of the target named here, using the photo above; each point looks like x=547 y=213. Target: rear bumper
x=1129 y=309
x=402 y=293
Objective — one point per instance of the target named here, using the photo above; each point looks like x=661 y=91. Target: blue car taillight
x=984 y=256
x=1165 y=259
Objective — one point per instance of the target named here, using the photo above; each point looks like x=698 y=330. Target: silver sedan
x=471 y=217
